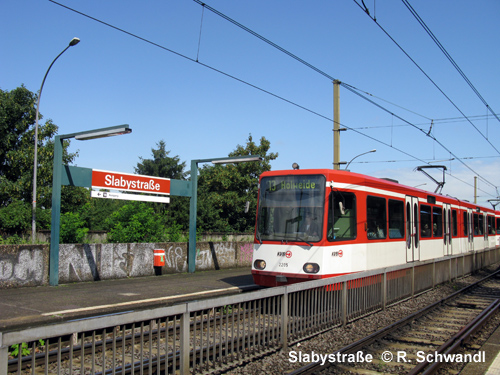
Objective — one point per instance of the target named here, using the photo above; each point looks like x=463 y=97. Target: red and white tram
x=322 y=223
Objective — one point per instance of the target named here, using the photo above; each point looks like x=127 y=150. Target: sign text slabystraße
x=130 y=182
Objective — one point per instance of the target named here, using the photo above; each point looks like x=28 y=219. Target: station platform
x=33 y=306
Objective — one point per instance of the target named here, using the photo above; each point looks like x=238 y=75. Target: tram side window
x=437 y=222
x=477 y=229
x=342 y=216
x=481 y=224
x=466 y=224
x=396 y=219
x=491 y=225
x=376 y=217
x=498 y=225
x=454 y=218
x=425 y=220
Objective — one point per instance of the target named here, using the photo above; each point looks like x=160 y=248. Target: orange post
x=159 y=257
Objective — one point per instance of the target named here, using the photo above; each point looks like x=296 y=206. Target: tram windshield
x=291 y=208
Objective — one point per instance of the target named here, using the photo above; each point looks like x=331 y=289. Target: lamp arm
x=35 y=161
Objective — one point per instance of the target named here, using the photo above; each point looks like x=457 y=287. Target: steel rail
x=456 y=341
x=317 y=366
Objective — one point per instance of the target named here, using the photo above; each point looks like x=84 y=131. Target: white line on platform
x=90 y=308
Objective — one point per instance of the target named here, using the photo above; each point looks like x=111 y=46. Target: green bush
x=174 y=233
x=72 y=228
x=15 y=218
x=135 y=222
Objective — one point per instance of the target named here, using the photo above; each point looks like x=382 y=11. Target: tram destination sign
x=130 y=182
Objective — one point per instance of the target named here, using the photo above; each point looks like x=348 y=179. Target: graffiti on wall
x=78 y=263
x=94 y=262
x=246 y=253
x=219 y=255
x=25 y=268
x=114 y=261
x=175 y=259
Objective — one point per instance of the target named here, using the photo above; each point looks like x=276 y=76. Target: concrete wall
x=101 y=236
x=27 y=265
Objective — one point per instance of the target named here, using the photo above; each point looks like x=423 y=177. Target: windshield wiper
x=302 y=240
x=257 y=235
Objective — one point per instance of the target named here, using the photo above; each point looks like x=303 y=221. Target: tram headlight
x=259 y=264
x=311 y=268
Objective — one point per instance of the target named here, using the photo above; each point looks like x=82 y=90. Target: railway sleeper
x=407 y=346
x=437 y=330
x=453 y=319
x=376 y=366
x=466 y=305
x=448 y=328
x=416 y=340
x=462 y=312
x=359 y=371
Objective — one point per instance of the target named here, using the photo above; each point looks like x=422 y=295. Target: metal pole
x=192 y=217
x=336 y=125
x=475 y=189
x=184 y=342
x=56 y=212
x=73 y=42
x=194 y=196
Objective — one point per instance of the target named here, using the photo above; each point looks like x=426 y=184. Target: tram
x=320 y=223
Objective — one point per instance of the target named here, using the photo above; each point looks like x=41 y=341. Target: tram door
x=412 y=233
x=447 y=229
x=470 y=230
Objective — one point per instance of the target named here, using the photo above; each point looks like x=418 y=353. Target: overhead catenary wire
x=254 y=86
x=448 y=56
x=352 y=88
x=396 y=105
x=427 y=76
x=199 y=38
x=428 y=134
x=437 y=121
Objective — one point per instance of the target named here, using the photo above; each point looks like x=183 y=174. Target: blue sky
x=113 y=78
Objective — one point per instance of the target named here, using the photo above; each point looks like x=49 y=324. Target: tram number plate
x=282 y=264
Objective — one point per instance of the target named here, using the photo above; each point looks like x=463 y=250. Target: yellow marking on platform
x=90 y=308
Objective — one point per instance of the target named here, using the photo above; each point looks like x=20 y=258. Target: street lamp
x=56 y=188
x=364 y=153
x=73 y=42
x=194 y=197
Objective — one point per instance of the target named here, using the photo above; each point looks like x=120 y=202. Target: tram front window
x=291 y=208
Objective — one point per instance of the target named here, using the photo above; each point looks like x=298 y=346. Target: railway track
x=420 y=343
x=148 y=347
x=154 y=345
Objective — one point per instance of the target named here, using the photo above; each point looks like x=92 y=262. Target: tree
x=162 y=165
x=223 y=191
x=17 y=132
x=15 y=218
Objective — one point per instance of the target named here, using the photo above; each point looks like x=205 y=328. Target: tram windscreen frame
x=291 y=208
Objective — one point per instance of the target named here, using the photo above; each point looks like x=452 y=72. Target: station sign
x=129 y=197
x=130 y=182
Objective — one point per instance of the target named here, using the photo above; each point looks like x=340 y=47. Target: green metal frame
x=77 y=176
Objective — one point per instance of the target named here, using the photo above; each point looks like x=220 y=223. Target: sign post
x=194 y=197
x=57 y=179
